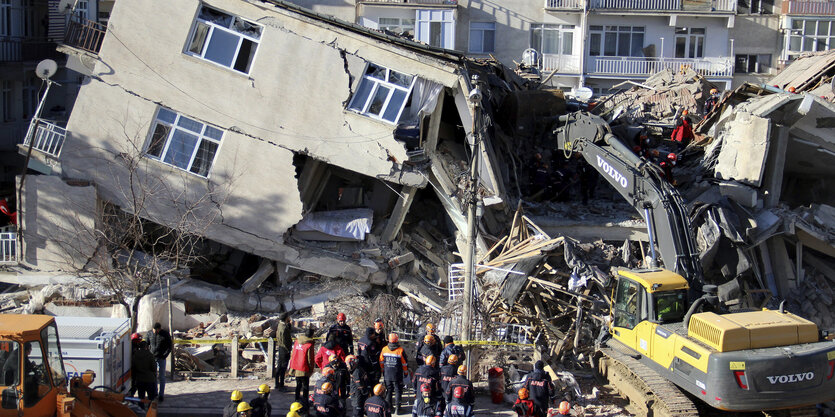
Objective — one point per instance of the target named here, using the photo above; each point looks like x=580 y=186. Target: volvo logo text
x=617 y=176
x=785 y=379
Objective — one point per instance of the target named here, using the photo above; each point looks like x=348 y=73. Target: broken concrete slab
x=740 y=193
x=744 y=149
x=264 y=271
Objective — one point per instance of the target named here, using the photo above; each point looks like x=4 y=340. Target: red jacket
x=683 y=131
x=324 y=354
x=299 y=359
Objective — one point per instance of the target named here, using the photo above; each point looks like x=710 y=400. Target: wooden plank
x=428 y=254
x=487 y=255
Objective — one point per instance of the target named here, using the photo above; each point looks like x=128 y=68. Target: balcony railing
x=8 y=245
x=820 y=8
x=569 y=64
x=661 y=5
x=564 y=4
x=441 y=2
x=87 y=36
x=48 y=138
x=637 y=66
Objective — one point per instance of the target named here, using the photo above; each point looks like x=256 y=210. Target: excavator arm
x=642 y=184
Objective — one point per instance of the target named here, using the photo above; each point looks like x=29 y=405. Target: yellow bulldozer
x=33 y=382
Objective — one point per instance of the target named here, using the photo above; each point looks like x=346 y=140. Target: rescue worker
x=329 y=348
x=380 y=342
x=342 y=334
x=711 y=101
x=448 y=372
x=458 y=407
x=683 y=132
x=326 y=403
x=341 y=377
x=135 y=340
x=359 y=383
x=301 y=365
x=450 y=348
x=368 y=347
x=143 y=369
x=294 y=410
x=425 y=349
x=395 y=367
x=435 y=348
x=565 y=408
x=377 y=406
x=159 y=340
x=667 y=166
x=541 y=388
x=283 y=346
x=462 y=382
x=426 y=404
x=243 y=410
x=327 y=376
x=231 y=409
x=523 y=406
x=428 y=374
x=261 y=406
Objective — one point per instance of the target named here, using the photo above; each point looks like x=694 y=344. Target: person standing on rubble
x=326 y=350
x=458 y=406
x=683 y=132
x=261 y=406
x=284 y=343
x=368 y=347
x=711 y=101
x=377 y=406
x=342 y=334
x=448 y=372
x=301 y=364
x=161 y=344
x=359 y=383
x=450 y=348
x=461 y=381
x=541 y=388
x=395 y=368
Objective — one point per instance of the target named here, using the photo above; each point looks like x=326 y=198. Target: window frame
x=402 y=25
x=560 y=30
x=616 y=33
x=424 y=18
x=369 y=98
x=228 y=30
x=173 y=127
x=814 y=39
x=694 y=42
x=483 y=33
x=759 y=62
x=621 y=301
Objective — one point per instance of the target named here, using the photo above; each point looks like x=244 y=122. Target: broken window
x=183 y=142
x=224 y=39
x=553 y=39
x=811 y=35
x=382 y=93
x=436 y=27
x=482 y=37
x=397 y=25
x=690 y=42
x=616 y=40
x=752 y=63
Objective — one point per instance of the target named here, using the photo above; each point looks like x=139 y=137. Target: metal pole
x=472 y=230
x=653 y=261
x=170 y=327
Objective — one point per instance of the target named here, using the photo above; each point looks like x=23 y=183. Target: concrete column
x=775 y=162
x=236 y=347
x=781 y=264
x=434 y=125
x=270 y=356
x=407 y=196
x=312 y=181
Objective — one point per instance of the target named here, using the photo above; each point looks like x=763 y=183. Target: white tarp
x=347 y=224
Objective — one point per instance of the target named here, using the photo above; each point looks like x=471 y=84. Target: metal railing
x=822 y=8
x=562 y=63
x=564 y=4
x=636 y=4
x=443 y=2
x=708 y=67
x=11 y=50
x=48 y=138
x=8 y=244
x=87 y=35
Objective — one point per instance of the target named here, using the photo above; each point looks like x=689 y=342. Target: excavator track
x=650 y=394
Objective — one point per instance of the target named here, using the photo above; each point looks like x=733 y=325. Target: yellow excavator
x=671 y=340
x=33 y=382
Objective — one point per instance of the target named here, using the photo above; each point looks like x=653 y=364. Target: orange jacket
x=393 y=362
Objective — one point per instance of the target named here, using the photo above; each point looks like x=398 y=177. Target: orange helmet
x=452 y=359
x=462 y=370
x=713 y=91
x=523 y=393
x=327 y=371
x=430 y=328
x=327 y=387
x=429 y=360
x=332 y=357
x=565 y=408
x=428 y=339
x=393 y=337
x=379 y=389
x=685 y=112
x=350 y=358
x=458 y=393
x=792 y=89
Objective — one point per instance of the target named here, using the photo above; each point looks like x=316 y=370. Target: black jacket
x=435 y=348
x=344 y=337
x=541 y=389
x=160 y=343
x=449 y=350
x=326 y=405
x=369 y=348
x=376 y=406
x=456 y=408
x=461 y=381
x=342 y=377
x=426 y=374
x=447 y=374
x=424 y=409
x=359 y=382
x=231 y=409
x=261 y=407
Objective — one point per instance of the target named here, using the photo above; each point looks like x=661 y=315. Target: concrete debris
x=809 y=73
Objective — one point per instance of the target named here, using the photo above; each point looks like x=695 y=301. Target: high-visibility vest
x=298 y=360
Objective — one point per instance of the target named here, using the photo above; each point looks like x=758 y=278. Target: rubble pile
x=809 y=73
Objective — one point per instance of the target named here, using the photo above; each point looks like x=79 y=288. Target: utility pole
x=472 y=229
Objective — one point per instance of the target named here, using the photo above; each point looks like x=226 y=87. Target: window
x=553 y=39
x=755 y=6
x=5 y=17
x=811 y=35
x=670 y=306
x=482 y=37
x=382 y=93
x=82 y=10
x=616 y=41
x=754 y=64
x=183 y=142
x=53 y=355
x=397 y=25
x=690 y=42
x=224 y=39
x=9 y=363
x=627 y=303
x=436 y=27
x=36 y=383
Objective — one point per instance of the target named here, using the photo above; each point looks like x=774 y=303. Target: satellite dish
x=66 y=6
x=583 y=93
x=46 y=69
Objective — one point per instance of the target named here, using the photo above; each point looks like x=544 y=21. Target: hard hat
x=263 y=389
x=378 y=325
x=327 y=387
x=135 y=337
x=452 y=359
x=326 y=371
x=685 y=112
x=332 y=357
x=379 y=389
x=425 y=388
x=88 y=377
x=565 y=408
x=429 y=360
x=713 y=91
x=462 y=370
x=428 y=339
x=523 y=393
x=393 y=338
x=296 y=406
x=430 y=327
x=792 y=89
x=458 y=392
x=350 y=358
x=244 y=406
x=340 y=317
x=237 y=395
x=672 y=156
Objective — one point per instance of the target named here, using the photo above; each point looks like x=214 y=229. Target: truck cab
x=31 y=366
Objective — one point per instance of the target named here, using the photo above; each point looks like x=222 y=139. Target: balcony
x=564 y=5
x=643 y=67
x=8 y=245
x=817 y=8
x=415 y=2
x=563 y=64
x=724 y=6
x=86 y=36
x=48 y=138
